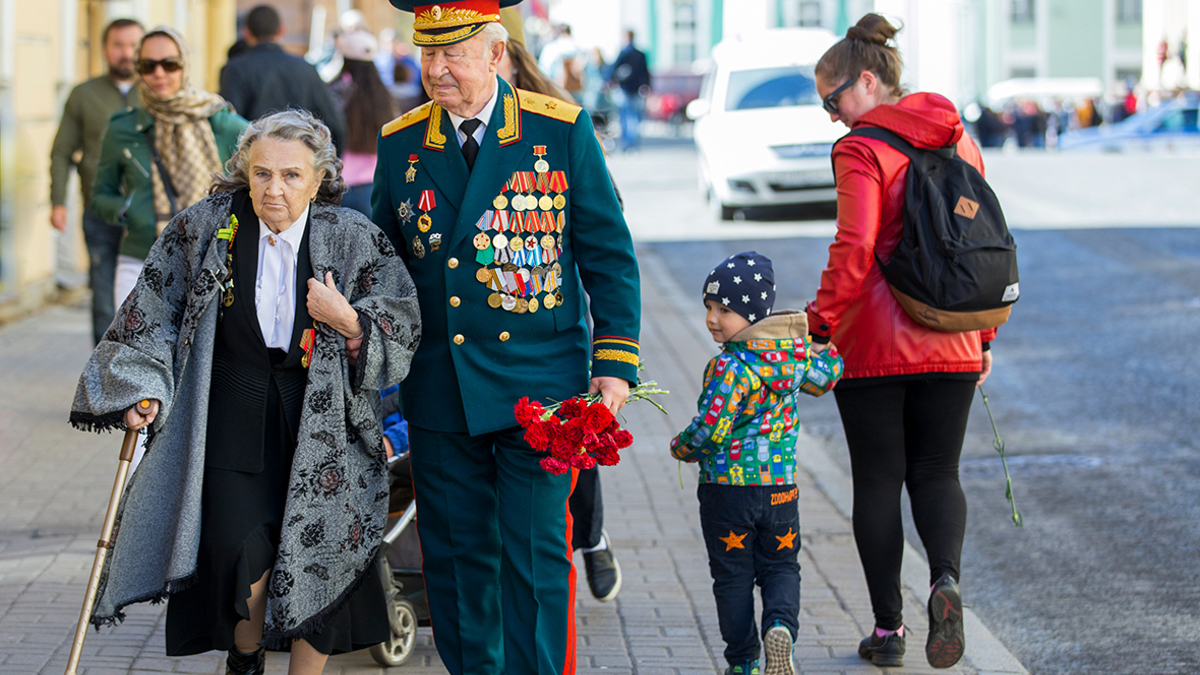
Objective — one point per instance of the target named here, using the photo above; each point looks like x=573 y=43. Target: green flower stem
x=998 y=444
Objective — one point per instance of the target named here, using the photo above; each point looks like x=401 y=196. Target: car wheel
x=403 y=619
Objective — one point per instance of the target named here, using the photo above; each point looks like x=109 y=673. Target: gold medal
x=411 y=174
x=549 y=302
x=500 y=202
x=516 y=244
x=508 y=302
x=418 y=248
x=494 y=301
x=483 y=275
x=557 y=269
x=547 y=241
x=500 y=241
x=482 y=241
x=424 y=222
x=227 y=298
x=522 y=306
x=533 y=305
x=545 y=203
x=558 y=299
x=560 y=202
x=508 y=267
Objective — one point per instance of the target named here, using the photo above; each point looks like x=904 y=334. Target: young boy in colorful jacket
x=744 y=439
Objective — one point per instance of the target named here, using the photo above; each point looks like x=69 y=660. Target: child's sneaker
x=777 y=644
x=946 y=643
x=747 y=668
x=886 y=651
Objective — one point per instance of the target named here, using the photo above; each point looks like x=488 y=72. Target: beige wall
x=34 y=46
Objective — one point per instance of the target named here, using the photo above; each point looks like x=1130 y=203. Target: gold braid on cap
x=438 y=17
x=438 y=39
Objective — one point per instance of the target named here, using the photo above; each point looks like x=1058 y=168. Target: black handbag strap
x=162 y=172
x=899 y=143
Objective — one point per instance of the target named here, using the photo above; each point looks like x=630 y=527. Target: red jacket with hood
x=854 y=305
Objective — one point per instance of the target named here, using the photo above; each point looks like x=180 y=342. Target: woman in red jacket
x=906 y=390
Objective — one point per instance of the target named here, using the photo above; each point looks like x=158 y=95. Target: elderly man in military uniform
x=500 y=204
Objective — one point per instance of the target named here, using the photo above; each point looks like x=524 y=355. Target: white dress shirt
x=484 y=116
x=275 y=288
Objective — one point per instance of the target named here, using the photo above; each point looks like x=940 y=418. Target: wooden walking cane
x=89 y=598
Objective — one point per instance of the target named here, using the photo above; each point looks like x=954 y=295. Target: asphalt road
x=1096 y=392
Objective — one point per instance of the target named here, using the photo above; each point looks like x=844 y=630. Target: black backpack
x=955 y=268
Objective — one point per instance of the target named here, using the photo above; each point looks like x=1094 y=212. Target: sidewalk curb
x=986 y=655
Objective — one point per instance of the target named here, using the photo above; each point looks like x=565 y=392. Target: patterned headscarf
x=182 y=134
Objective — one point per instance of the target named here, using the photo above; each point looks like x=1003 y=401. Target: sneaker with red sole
x=945 y=645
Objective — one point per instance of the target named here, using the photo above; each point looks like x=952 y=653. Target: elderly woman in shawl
x=157 y=161
x=263 y=325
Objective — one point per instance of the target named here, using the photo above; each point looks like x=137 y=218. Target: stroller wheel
x=403 y=619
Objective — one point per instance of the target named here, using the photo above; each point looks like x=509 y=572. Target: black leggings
x=908 y=432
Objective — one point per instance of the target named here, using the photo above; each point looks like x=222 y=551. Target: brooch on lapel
x=307 y=339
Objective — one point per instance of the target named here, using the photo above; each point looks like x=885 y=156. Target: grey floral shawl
x=161 y=347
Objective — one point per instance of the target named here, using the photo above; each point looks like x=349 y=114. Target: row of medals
x=499 y=240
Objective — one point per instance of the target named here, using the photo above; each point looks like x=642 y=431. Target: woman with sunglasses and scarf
x=158 y=161
x=907 y=389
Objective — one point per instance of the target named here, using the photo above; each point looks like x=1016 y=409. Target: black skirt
x=242 y=515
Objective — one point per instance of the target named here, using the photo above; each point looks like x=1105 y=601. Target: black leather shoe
x=887 y=651
x=603 y=573
x=946 y=643
x=246 y=664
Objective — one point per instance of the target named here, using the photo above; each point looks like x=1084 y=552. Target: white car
x=762 y=135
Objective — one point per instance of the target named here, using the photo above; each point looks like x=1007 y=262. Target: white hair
x=492 y=33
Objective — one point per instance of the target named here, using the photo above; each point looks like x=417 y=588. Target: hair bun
x=872 y=28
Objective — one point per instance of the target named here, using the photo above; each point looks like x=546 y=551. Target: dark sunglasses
x=829 y=103
x=171 y=64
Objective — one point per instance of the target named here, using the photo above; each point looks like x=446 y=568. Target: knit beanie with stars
x=745 y=283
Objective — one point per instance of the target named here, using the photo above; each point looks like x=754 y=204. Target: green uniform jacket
x=84 y=121
x=122 y=194
x=476 y=359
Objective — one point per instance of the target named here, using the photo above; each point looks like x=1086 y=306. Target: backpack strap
x=899 y=143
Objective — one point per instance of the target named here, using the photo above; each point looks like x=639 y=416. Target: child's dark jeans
x=753 y=536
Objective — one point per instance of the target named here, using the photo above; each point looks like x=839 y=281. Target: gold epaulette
x=548 y=106
x=407 y=119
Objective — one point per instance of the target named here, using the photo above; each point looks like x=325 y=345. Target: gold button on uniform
x=459 y=339
x=504 y=336
x=454 y=301
x=452 y=263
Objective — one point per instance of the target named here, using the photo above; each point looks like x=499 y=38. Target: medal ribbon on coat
x=426 y=204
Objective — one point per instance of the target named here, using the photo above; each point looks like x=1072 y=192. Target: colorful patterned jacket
x=745 y=432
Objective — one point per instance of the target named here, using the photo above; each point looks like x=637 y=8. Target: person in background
x=562 y=60
x=366 y=106
x=400 y=71
x=587 y=502
x=267 y=79
x=84 y=121
x=906 y=392
x=159 y=160
x=632 y=75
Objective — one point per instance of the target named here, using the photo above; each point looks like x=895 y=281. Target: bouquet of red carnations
x=581 y=432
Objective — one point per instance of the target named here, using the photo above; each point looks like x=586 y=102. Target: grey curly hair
x=287 y=125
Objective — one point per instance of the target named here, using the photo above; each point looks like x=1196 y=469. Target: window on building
x=808 y=13
x=683 y=28
x=1022 y=11
x=1129 y=11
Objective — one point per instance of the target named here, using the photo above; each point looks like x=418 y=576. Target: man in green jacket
x=500 y=204
x=84 y=121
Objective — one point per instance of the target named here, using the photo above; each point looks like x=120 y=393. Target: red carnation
x=623 y=438
x=598 y=417
x=538 y=435
x=554 y=465
x=528 y=412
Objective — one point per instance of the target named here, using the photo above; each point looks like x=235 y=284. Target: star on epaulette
x=551 y=105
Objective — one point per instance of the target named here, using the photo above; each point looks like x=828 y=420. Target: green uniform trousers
x=495 y=537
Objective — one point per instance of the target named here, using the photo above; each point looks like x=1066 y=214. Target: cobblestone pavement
x=55 y=483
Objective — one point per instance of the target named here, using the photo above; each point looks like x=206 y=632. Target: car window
x=1179 y=121
x=771 y=88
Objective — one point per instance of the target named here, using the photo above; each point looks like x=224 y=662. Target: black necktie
x=470 y=147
